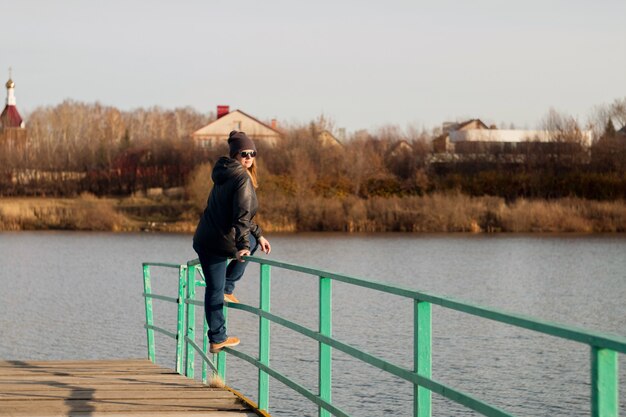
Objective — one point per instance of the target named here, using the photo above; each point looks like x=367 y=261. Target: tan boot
x=229 y=342
x=231 y=298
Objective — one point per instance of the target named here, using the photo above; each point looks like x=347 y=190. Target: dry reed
x=441 y=212
x=84 y=213
x=437 y=212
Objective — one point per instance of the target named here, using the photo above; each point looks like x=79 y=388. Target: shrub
x=198 y=186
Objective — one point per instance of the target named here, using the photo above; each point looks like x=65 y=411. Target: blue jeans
x=235 y=269
x=220 y=278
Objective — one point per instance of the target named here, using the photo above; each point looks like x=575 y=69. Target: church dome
x=10 y=84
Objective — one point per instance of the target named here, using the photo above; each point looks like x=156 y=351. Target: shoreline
x=437 y=214
x=443 y=235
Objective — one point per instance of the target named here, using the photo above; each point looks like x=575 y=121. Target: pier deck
x=110 y=388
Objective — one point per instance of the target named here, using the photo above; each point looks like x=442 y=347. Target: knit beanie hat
x=238 y=141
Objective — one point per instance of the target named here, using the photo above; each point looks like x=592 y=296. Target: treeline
x=75 y=148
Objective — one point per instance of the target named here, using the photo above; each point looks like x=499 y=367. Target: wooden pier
x=110 y=388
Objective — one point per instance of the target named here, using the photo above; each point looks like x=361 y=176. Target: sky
x=362 y=64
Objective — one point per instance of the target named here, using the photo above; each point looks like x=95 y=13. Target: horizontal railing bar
x=160 y=297
x=164 y=264
x=288 y=382
x=613 y=342
x=200 y=284
x=194 y=302
x=350 y=280
x=160 y=330
x=201 y=353
x=573 y=333
x=467 y=400
x=396 y=370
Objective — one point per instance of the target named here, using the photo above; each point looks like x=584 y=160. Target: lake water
x=78 y=296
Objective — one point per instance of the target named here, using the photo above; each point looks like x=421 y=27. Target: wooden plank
x=184 y=413
x=25 y=386
x=68 y=377
x=79 y=363
x=113 y=393
x=77 y=369
x=167 y=404
x=85 y=374
x=86 y=371
x=35 y=385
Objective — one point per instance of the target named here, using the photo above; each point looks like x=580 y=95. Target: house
x=400 y=148
x=442 y=143
x=12 y=127
x=475 y=137
x=216 y=133
x=327 y=140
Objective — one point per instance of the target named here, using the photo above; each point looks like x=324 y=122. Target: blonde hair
x=253 y=175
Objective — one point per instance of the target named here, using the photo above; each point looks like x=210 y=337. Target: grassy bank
x=90 y=213
x=432 y=213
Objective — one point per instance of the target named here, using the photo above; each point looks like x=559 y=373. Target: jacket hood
x=226 y=168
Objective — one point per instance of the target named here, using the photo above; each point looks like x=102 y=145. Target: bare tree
x=568 y=141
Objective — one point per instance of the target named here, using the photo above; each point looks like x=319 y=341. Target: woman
x=227 y=230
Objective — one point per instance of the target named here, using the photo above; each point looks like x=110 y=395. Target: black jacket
x=227 y=221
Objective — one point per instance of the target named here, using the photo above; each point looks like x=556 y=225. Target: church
x=12 y=126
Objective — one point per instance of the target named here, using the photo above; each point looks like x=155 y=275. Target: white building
x=510 y=136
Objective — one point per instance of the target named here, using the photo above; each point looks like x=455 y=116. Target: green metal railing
x=603 y=348
x=180 y=319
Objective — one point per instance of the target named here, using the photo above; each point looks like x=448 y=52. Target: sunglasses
x=247 y=154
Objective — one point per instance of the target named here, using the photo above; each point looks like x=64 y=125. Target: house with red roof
x=215 y=134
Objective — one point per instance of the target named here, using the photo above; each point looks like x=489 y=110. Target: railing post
x=180 y=322
x=191 y=320
x=264 y=338
x=325 y=358
x=422 y=356
x=147 y=289
x=604 y=383
x=205 y=349
x=221 y=355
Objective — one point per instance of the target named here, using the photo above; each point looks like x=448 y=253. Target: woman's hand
x=265 y=245
x=241 y=254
